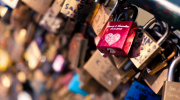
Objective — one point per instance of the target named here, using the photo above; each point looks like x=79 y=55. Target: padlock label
x=144 y=49
x=77 y=9
x=100 y=19
x=39 y=6
x=103 y=71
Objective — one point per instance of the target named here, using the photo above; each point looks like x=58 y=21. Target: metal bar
x=166 y=10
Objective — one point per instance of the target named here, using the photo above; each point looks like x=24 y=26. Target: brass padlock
x=103 y=15
x=171 y=89
x=155 y=66
x=81 y=10
x=103 y=71
x=145 y=48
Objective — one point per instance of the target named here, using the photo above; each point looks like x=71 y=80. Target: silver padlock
x=171 y=89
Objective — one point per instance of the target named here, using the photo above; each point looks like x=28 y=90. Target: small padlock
x=139 y=91
x=77 y=50
x=50 y=22
x=118 y=35
x=80 y=10
x=171 y=89
x=74 y=86
x=145 y=48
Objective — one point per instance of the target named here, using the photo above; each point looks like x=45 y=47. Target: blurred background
x=34 y=56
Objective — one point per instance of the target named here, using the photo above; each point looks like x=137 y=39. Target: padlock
x=154 y=66
x=80 y=10
x=139 y=91
x=145 y=48
x=171 y=89
x=156 y=81
x=103 y=71
x=39 y=6
x=50 y=22
x=118 y=35
x=69 y=27
x=103 y=15
x=57 y=6
x=77 y=51
x=74 y=86
x=121 y=61
x=19 y=17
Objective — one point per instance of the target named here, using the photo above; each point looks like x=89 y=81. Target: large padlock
x=145 y=48
x=80 y=10
x=103 y=71
x=118 y=35
x=171 y=89
x=139 y=91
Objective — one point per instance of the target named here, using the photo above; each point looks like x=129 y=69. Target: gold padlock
x=155 y=67
x=103 y=15
x=145 y=48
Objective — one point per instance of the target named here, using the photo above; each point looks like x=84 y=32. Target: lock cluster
x=89 y=50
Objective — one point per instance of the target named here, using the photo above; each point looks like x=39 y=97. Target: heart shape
x=111 y=39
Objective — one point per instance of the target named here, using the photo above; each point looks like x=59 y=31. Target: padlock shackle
x=134 y=8
x=114 y=8
x=173 y=66
x=174 y=46
x=166 y=34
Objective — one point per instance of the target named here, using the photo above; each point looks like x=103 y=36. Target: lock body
x=138 y=91
x=144 y=49
x=103 y=71
x=171 y=91
x=77 y=50
x=120 y=61
x=117 y=38
x=79 y=10
x=156 y=81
